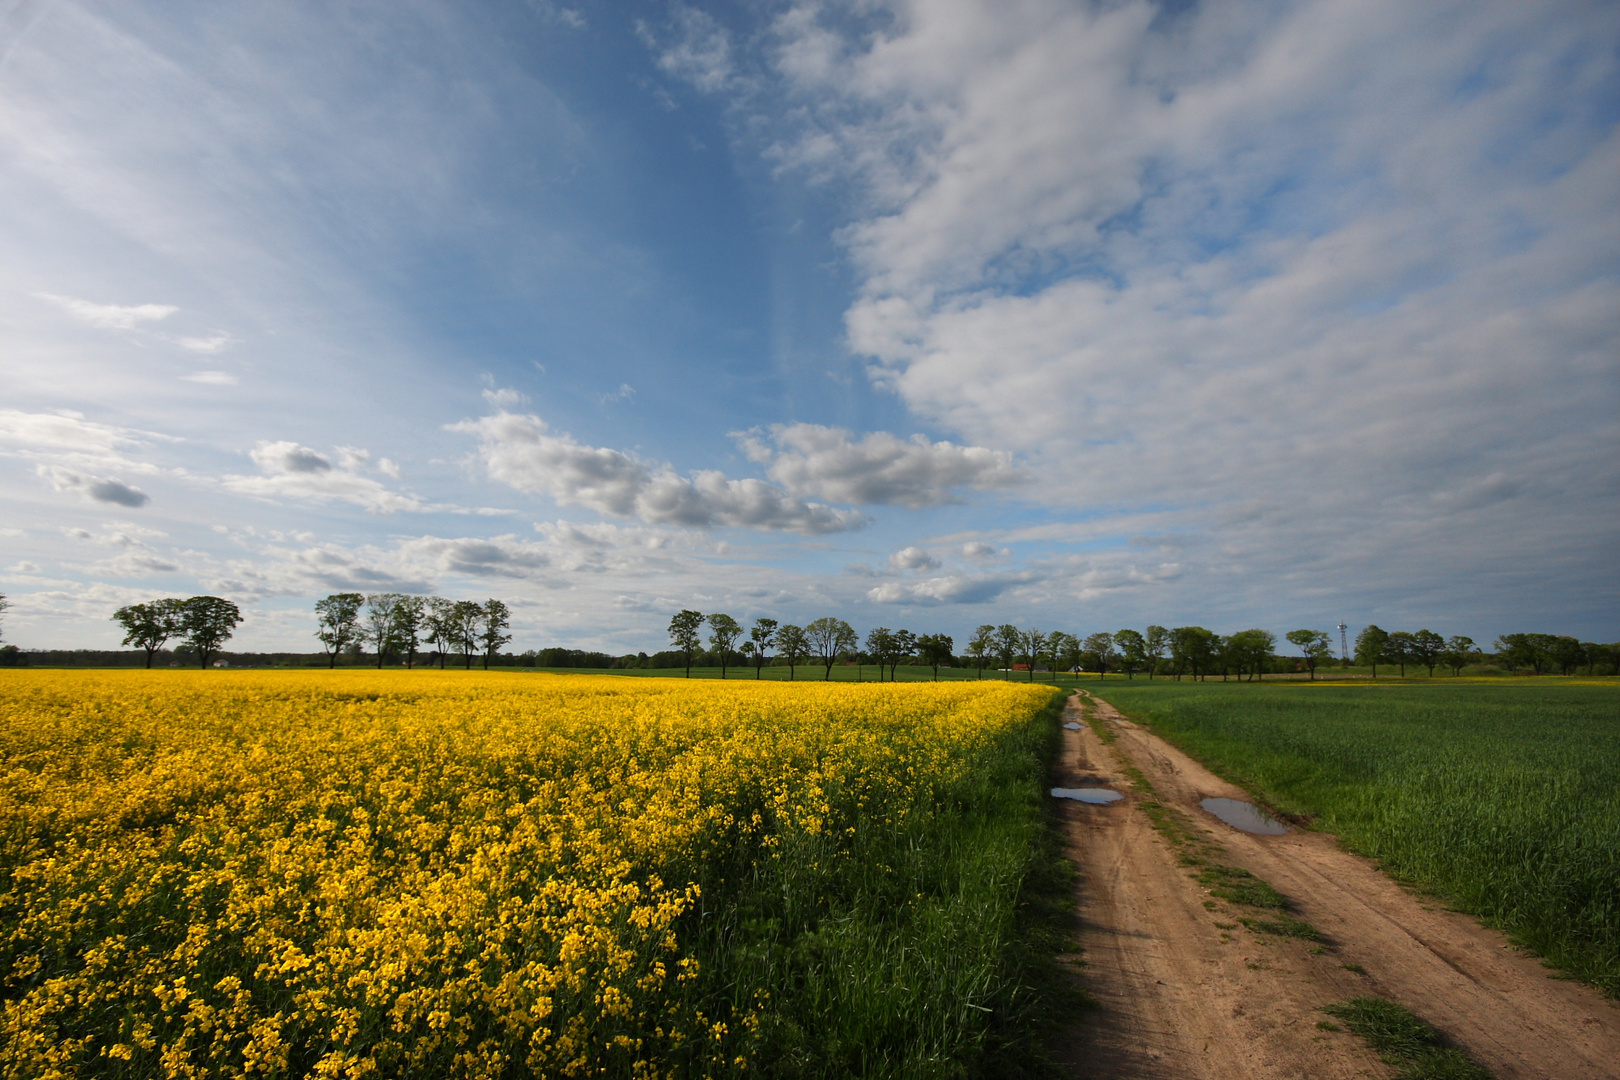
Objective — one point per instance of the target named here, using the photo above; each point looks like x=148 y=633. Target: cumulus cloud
x=946 y=589
x=109 y=316
x=878 y=468
x=912 y=558
x=519 y=450
x=1171 y=258
x=291 y=470
x=96 y=488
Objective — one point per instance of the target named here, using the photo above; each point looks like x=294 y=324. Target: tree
x=337 y=620
x=1034 y=644
x=1057 y=646
x=1155 y=641
x=1533 y=651
x=902 y=647
x=1099 y=648
x=1073 y=651
x=1193 y=647
x=725 y=632
x=466 y=620
x=1568 y=653
x=1314 y=645
x=148 y=626
x=1426 y=649
x=880 y=646
x=934 y=650
x=1250 y=651
x=1371 y=644
x=1460 y=651
x=4 y=604
x=496 y=622
x=439 y=625
x=206 y=623
x=1132 y=651
x=830 y=638
x=408 y=612
x=982 y=645
x=759 y=638
x=1399 y=650
x=1009 y=639
x=792 y=646
x=377 y=623
x=683 y=634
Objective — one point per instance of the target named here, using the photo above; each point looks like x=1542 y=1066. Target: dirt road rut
x=1186 y=991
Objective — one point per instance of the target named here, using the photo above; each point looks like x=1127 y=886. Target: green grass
x=1403 y=1040
x=1501 y=797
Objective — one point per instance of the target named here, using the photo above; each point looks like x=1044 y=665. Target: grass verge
x=1403 y=1040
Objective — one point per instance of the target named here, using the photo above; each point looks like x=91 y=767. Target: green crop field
x=1502 y=797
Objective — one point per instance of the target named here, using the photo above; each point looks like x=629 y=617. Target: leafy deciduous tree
x=724 y=632
x=1371 y=646
x=1132 y=651
x=934 y=650
x=760 y=638
x=1034 y=646
x=793 y=646
x=683 y=634
x=337 y=624
x=1314 y=646
x=466 y=620
x=1099 y=649
x=1009 y=639
x=983 y=645
x=901 y=647
x=829 y=639
x=147 y=626
x=1155 y=641
x=207 y=622
x=1426 y=646
x=496 y=623
x=1460 y=652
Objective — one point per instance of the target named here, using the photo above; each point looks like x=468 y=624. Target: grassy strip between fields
x=1501 y=798
x=1415 y=1048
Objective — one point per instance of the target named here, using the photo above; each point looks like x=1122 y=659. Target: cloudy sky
x=925 y=313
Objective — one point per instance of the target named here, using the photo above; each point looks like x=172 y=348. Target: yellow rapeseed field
x=423 y=873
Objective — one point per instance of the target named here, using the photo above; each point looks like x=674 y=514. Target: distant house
x=222 y=663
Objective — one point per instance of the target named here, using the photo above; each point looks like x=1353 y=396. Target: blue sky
x=924 y=314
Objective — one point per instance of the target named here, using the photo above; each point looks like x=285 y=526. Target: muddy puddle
x=1094 y=795
x=1245 y=816
x=1074 y=725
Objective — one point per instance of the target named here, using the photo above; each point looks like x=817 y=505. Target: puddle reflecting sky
x=1096 y=795
x=1245 y=816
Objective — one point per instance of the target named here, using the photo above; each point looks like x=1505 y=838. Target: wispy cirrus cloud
x=110 y=316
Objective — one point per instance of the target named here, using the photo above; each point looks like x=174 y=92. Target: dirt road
x=1185 y=990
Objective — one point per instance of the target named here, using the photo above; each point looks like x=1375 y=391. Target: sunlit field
x=1502 y=796
x=453 y=874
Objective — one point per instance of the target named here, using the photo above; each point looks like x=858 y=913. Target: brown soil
x=1184 y=990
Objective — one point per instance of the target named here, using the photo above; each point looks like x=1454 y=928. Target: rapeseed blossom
x=388 y=874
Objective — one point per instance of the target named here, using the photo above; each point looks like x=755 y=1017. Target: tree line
x=1191 y=651
x=395 y=624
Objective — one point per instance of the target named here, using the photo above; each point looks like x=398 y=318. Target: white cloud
x=211 y=378
x=211 y=344
x=110 y=316
x=812 y=460
x=290 y=470
x=68 y=432
x=912 y=558
x=947 y=589
x=519 y=451
x=1175 y=259
x=698 y=50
